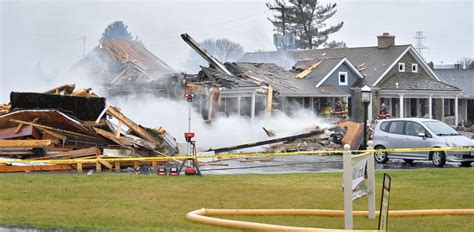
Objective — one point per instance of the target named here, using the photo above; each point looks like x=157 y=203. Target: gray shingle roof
x=414 y=81
x=281 y=78
x=375 y=60
x=463 y=79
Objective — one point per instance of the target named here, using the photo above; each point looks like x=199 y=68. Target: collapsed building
x=64 y=124
x=123 y=67
x=253 y=89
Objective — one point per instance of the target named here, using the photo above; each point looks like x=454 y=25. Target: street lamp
x=366 y=95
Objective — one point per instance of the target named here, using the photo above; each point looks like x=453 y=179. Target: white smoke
x=172 y=115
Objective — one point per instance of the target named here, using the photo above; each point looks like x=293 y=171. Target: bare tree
x=224 y=50
x=335 y=44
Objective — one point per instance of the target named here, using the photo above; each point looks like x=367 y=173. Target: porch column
x=456 y=113
x=430 y=107
x=238 y=105
x=402 y=110
x=442 y=110
x=252 y=107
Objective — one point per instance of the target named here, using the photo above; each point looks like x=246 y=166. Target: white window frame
x=401 y=67
x=339 y=78
x=414 y=68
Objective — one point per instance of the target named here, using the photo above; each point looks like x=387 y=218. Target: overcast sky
x=46 y=35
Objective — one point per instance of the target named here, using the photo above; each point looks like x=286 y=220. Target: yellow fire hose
x=203 y=216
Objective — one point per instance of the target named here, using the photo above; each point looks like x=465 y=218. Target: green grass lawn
x=124 y=202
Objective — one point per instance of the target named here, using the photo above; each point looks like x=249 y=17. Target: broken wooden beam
x=67 y=89
x=39 y=126
x=25 y=143
x=271 y=141
x=35 y=168
x=24 y=131
x=74 y=154
x=106 y=164
x=140 y=131
x=118 y=140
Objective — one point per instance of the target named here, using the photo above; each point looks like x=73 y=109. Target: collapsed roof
x=128 y=60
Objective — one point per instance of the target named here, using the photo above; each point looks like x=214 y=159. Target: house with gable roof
x=397 y=75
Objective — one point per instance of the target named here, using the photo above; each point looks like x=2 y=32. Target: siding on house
x=333 y=79
x=408 y=59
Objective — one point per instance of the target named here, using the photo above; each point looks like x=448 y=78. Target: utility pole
x=420 y=40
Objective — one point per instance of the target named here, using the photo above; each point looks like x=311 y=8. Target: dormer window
x=342 y=78
x=414 y=68
x=401 y=67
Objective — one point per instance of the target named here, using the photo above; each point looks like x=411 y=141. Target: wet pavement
x=304 y=164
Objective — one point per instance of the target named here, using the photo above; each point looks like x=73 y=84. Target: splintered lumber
x=106 y=164
x=55 y=129
x=25 y=143
x=308 y=70
x=57 y=167
x=24 y=131
x=74 y=154
x=120 y=141
x=140 y=131
x=271 y=141
x=67 y=89
x=82 y=92
x=354 y=134
x=55 y=135
x=268 y=109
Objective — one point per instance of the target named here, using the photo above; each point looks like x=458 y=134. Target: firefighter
x=339 y=111
x=383 y=114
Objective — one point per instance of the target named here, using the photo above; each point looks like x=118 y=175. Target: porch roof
x=416 y=82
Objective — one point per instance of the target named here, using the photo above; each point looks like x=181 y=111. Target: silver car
x=421 y=133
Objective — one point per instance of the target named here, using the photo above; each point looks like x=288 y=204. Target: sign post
x=354 y=181
x=385 y=202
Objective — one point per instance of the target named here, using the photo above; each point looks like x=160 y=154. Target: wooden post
x=98 y=167
x=117 y=166
x=79 y=167
x=269 y=101
x=153 y=165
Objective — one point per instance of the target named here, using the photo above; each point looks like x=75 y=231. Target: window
x=448 y=107
x=342 y=78
x=413 y=129
x=384 y=126
x=414 y=68
x=401 y=67
x=396 y=127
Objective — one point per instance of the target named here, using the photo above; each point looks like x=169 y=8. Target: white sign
x=359 y=186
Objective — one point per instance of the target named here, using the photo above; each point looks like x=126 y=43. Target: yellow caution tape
x=236 y=155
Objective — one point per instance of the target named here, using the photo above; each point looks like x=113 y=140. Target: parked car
x=420 y=133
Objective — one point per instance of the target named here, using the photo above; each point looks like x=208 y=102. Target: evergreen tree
x=116 y=30
x=306 y=18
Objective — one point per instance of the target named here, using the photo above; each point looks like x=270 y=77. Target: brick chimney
x=385 y=40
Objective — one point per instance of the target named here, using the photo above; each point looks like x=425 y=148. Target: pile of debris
x=312 y=139
x=464 y=127
x=65 y=124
